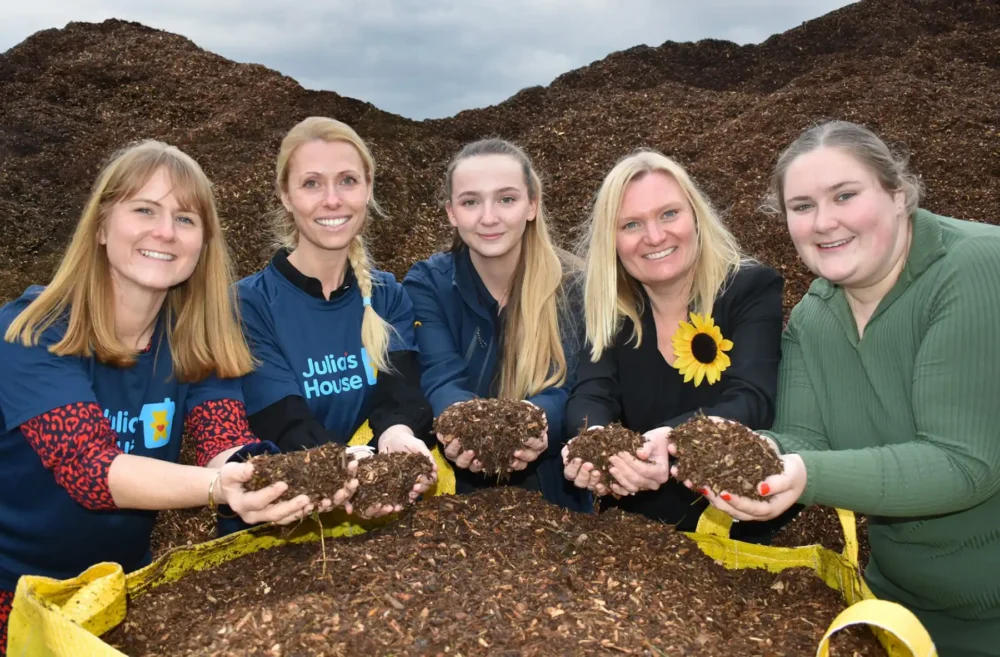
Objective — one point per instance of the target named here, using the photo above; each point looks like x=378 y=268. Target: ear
x=102 y=235
x=451 y=214
x=534 y=210
x=285 y=201
x=899 y=201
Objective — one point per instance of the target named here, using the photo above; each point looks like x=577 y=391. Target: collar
x=471 y=287
x=311 y=286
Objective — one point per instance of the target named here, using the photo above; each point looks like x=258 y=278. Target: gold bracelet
x=211 y=497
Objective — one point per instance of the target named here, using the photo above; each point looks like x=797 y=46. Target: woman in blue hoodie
x=493 y=312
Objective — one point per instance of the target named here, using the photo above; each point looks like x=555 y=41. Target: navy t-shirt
x=43 y=531
x=311 y=347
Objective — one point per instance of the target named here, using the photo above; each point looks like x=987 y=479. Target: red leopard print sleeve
x=76 y=442
x=6 y=602
x=216 y=426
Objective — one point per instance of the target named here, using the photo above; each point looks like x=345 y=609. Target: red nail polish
x=703 y=491
x=764 y=489
x=726 y=496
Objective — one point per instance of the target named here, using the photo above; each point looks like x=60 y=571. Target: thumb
x=240 y=473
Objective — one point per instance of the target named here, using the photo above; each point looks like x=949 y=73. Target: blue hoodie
x=459 y=339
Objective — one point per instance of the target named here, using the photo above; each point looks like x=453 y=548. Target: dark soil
x=492 y=428
x=181 y=527
x=387 y=479
x=819 y=525
x=498 y=572
x=318 y=472
x=724 y=456
x=597 y=446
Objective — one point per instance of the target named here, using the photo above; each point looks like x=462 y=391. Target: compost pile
x=924 y=73
x=596 y=446
x=498 y=572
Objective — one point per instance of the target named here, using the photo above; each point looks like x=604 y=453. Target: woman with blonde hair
x=887 y=397
x=133 y=344
x=494 y=312
x=333 y=335
x=678 y=322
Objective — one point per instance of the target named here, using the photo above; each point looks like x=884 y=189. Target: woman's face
x=845 y=226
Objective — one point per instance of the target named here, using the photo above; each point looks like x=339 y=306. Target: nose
x=825 y=220
x=165 y=228
x=654 y=232
x=489 y=217
x=331 y=199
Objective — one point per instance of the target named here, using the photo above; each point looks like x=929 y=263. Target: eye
x=469 y=202
x=801 y=207
x=630 y=225
x=507 y=200
x=669 y=214
x=186 y=219
x=845 y=196
x=144 y=210
x=348 y=181
x=310 y=184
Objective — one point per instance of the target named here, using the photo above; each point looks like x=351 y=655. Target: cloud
x=427 y=58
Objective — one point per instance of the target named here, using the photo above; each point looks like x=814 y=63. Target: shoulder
x=439 y=267
x=253 y=288
x=750 y=283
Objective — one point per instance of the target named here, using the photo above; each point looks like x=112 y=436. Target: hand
x=581 y=473
x=400 y=438
x=462 y=459
x=259 y=506
x=782 y=491
x=533 y=447
x=647 y=470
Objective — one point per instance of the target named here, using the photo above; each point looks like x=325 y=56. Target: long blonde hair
x=199 y=315
x=610 y=293
x=533 y=356
x=376 y=333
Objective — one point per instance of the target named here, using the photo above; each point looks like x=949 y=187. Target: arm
x=951 y=462
x=749 y=386
x=443 y=374
x=596 y=396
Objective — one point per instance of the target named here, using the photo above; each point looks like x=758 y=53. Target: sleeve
x=596 y=396
x=290 y=424
x=398 y=399
x=750 y=384
x=798 y=424
x=76 y=443
x=443 y=375
x=216 y=426
x=273 y=379
x=951 y=462
x=36 y=381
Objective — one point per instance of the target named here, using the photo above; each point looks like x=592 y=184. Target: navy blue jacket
x=459 y=336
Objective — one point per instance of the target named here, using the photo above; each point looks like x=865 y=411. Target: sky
x=425 y=58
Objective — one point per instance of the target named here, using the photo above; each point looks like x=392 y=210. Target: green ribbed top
x=903 y=425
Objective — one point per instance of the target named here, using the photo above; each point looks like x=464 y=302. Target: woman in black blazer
x=660 y=265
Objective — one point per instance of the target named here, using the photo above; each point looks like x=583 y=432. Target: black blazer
x=636 y=386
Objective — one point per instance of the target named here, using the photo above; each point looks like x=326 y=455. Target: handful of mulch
x=492 y=428
x=724 y=456
x=318 y=472
x=388 y=478
x=598 y=445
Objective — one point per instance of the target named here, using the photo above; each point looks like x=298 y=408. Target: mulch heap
x=498 y=572
x=491 y=428
x=924 y=73
x=596 y=446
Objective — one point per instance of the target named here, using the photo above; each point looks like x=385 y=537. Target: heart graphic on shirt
x=161 y=427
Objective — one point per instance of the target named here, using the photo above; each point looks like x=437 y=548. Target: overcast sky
x=425 y=58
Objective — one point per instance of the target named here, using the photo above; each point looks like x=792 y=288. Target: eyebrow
x=660 y=210
x=831 y=188
x=339 y=173
x=160 y=205
x=475 y=192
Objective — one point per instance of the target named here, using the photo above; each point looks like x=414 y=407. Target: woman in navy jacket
x=493 y=313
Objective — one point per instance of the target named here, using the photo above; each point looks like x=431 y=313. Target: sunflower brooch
x=699 y=348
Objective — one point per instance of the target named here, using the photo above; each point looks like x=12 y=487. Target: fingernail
x=703 y=491
x=764 y=489
x=726 y=496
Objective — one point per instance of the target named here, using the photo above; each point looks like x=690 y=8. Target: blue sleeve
x=36 y=381
x=398 y=311
x=443 y=374
x=273 y=378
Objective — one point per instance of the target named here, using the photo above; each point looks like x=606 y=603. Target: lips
x=659 y=255
x=490 y=236
x=332 y=222
x=157 y=255
x=835 y=244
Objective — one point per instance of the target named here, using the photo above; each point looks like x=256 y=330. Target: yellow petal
x=684 y=360
x=716 y=333
x=700 y=375
x=722 y=361
x=726 y=345
x=712 y=373
x=696 y=320
x=688 y=374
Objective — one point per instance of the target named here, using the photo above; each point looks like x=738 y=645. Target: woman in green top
x=889 y=391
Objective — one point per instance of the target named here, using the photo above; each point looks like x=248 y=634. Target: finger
x=325 y=505
x=242 y=474
x=453 y=450
x=259 y=499
x=518 y=464
x=571 y=468
x=600 y=489
x=582 y=479
x=595 y=476
x=618 y=490
x=723 y=505
x=475 y=466
x=775 y=485
x=464 y=459
x=276 y=512
x=672 y=449
x=536 y=444
x=565 y=455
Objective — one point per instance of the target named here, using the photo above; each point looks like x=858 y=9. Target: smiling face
x=153 y=243
x=655 y=234
x=490 y=205
x=327 y=193
x=845 y=226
